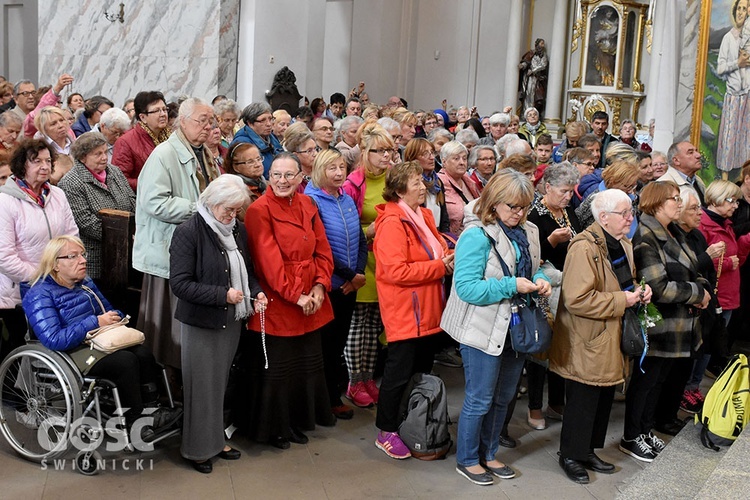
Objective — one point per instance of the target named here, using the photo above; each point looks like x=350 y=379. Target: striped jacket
x=670 y=267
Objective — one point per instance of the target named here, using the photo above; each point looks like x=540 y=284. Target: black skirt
x=291 y=392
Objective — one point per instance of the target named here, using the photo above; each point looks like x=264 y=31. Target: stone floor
x=337 y=463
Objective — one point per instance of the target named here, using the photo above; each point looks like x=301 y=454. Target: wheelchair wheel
x=87 y=462
x=39 y=401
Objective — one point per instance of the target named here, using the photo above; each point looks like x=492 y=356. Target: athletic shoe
x=449 y=357
x=698 y=395
x=358 y=395
x=391 y=444
x=372 y=390
x=638 y=448
x=690 y=403
x=656 y=443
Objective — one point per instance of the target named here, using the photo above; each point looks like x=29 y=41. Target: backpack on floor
x=724 y=412
x=424 y=429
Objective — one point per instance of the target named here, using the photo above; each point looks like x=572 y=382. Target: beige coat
x=586 y=340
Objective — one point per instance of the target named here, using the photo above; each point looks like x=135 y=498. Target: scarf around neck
x=417 y=218
x=39 y=199
x=238 y=272
x=518 y=236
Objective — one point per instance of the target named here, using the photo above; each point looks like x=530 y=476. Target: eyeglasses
x=265 y=120
x=310 y=151
x=693 y=208
x=158 y=110
x=625 y=213
x=659 y=164
x=488 y=159
x=732 y=201
x=255 y=162
x=129 y=110
x=397 y=138
x=231 y=211
x=517 y=208
x=74 y=256
x=382 y=152
x=588 y=163
x=27 y=93
x=100 y=111
x=678 y=198
x=203 y=122
x=431 y=123
x=287 y=176
x=428 y=154
x=324 y=129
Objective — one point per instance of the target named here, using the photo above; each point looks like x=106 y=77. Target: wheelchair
x=48 y=407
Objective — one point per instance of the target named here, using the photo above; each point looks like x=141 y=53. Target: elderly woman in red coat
x=294 y=266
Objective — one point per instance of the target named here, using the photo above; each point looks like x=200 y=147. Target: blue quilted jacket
x=61 y=316
x=267 y=150
x=344 y=231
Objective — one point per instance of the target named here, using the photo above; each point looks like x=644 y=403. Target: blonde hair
x=719 y=190
x=281 y=113
x=296 y=135
x=43 y=116
x=404 y=117
x=324 y=158
x=505 y=186
x=621 y=172
x=49 y=257
x=372 y=136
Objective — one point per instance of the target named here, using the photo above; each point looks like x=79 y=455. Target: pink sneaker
x=372 y=390
x=358 y=395
x=391 y=444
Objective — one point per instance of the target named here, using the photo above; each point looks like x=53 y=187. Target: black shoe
x=596 y=464
x=204 y=467
x=166 y=417
x=482 y=479
x=574 y=470
x=507 y=441
x=297 y=436
x=230 y=454
x=670 y=428
x=279 y=442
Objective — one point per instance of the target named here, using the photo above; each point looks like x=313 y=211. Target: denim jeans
x=491 y=383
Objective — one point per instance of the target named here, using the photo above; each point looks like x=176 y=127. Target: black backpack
x=424 y=429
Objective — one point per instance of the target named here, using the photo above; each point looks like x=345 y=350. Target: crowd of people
x=294 y=243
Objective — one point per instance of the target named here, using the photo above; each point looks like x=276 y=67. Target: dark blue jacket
x=60 y=316
x=267 y=151
x=589 y=183
x=81 y=125
x=344 y=231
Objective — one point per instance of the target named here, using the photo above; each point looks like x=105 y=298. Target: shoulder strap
x=497 y=254
x=95 y=296
x=460 y=193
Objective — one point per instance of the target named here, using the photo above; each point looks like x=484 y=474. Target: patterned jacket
x=670 y=267
x=87 y=196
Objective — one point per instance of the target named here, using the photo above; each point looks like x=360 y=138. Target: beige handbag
x=112 y=338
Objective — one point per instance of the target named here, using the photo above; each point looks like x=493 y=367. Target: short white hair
x=115 y=118
x=518 y=147
x=187 y=108
x=452 y=148
x=607 y=201
x=227 y=189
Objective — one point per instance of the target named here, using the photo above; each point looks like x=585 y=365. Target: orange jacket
x=291 y=253
x=408 y=278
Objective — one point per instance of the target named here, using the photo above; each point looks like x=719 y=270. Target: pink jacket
x=455 y=203
x=48 y=99
x=355 y=187
x=729 y=281
x=25 y=229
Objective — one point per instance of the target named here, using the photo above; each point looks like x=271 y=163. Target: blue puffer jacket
x=267 y=151
x=61 y=316
x=81 y=126
x=344 y=231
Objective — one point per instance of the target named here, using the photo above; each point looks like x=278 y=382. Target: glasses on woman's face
x=310 y=151
x=73 y=256
x=288 y=175
x=517 y=208
x=427 y=154
x=693 y=208
x=253 y=162
x=677 y=198
x=229 y=211
x=732 y=201
x=659 y=164
x=625 y=214
x=382 y=152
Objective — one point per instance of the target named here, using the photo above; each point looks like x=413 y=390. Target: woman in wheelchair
x=63 y=304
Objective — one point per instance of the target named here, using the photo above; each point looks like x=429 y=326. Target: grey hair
x=227 y=189
x=686 y=191
x=467 y=135
x=18 y=84
x=627 y=122
x=225 y=106
x=115 y=118
x=348 y=121
x=503 y=118
x=532 y=108
x=673 y=150
x=607 y=201
x=451 y=149
x=439 y=132
x=518 y=147
x=8 y=118
x=654 y=154
x=474 y=154
x=187 y=108
x=86 y=143
x=389 y=124
x=503 y=142
x=561 y=174
x=254 y=110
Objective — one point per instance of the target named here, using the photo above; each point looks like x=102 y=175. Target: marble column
x=513 y=54
x=556 y=49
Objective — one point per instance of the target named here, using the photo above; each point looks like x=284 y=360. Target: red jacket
x=729 y=281
x=408 y=279
x=131 y=152
x=291 y=253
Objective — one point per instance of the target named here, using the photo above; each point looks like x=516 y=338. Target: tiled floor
x=338 y=463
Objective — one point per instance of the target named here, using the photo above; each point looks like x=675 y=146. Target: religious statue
x=533 y=77
x=284 y=94
x=602 y=52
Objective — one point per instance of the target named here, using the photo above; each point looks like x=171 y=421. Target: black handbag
x=633 y=342
x=529 y=330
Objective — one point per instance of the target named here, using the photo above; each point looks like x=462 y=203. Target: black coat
x=199 y=273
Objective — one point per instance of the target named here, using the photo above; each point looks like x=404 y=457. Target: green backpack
x=724 y=412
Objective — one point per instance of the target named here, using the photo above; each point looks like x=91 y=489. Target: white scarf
x=237 y=270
